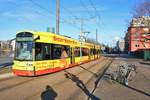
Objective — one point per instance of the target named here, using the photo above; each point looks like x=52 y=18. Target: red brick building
x=139 y=38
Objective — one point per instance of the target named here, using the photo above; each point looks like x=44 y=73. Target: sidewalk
x=138 y=88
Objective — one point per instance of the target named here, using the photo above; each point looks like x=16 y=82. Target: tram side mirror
x=36 y=38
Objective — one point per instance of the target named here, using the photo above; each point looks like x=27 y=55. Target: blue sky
x=18 y=15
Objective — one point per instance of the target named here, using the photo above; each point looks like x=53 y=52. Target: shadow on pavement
x=102 y=74
x=120 y=56
x=89 y=71
x=48 y=94
x=110 y=55
x=81 y=85
x=137 y=90
x=130 y=87
x=145 y=62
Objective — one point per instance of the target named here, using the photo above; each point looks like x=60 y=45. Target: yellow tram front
x=24 y=54
x=40 y=53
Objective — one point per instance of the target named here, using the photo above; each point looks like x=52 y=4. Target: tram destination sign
x=24 y=39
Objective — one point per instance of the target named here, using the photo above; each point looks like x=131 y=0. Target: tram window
x=56 y=51
x=38 y=51
x=94 y=51
x=85 y=52
x=24 y=50
x=91 y=51
x=47 y=52
x=42 y=51
x=65 y=52
x=98 y=51
x=77 y=52
x=61 y=51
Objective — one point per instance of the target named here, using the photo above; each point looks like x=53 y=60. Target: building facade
x=7 y=47
x=139 y=38
x=138 y=34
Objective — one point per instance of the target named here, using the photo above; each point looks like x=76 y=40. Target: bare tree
x=142 y=9
x=90 y=40
x=141 y=14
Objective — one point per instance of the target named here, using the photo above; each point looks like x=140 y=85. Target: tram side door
x=72 y=55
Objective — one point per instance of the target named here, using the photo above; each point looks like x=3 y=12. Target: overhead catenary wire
x=88 y=11
x=70 y=12
x=76 y=18
x=96 y=12
x=53 y=14
x=16 y=5
x=86 y=8
x=63 y=20
x=38 y=5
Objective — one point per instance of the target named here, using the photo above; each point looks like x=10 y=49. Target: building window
x=137 y=45
x=137 y=34
x=145 y=40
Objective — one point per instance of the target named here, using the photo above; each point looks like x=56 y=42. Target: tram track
x=37 y=78
x=66 y=80
x=100 y=73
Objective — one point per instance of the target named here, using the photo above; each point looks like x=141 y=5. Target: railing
x=4 y=65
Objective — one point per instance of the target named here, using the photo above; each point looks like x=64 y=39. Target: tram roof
x=53 y=34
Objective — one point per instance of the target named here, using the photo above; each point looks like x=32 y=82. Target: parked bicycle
x=124 y=73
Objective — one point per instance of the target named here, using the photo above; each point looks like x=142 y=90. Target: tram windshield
x=24 y=51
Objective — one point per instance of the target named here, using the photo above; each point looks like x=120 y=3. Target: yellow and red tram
x=40 y=53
